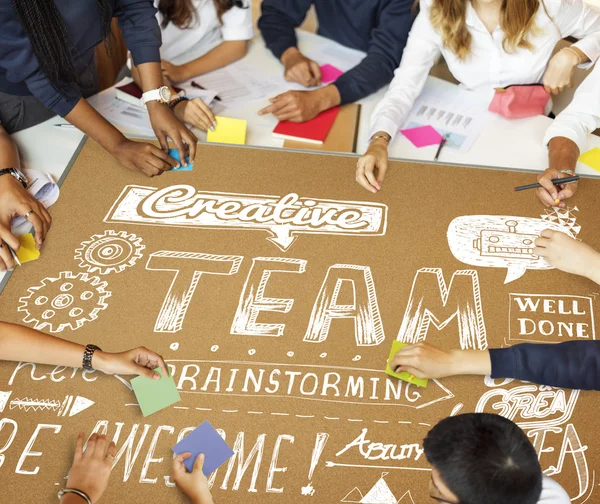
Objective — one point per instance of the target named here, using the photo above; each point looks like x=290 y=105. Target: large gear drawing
x=110 y=252
x=68 y=301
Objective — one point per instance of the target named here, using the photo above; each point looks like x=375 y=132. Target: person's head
x=480 y=458
x=516 y=20
x=182 y=13
x=44 y=26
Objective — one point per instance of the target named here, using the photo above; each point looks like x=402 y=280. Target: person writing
x=217 y=30
x=487 y=44
x=378 y=27
x=47 y=68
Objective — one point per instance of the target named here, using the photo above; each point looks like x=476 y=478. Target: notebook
x=314 y=131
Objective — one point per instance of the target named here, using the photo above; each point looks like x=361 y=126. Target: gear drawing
x=110 y=252
x=68 y=301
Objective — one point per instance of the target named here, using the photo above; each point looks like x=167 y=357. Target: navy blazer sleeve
x=574 y=364
x=386 y=45
x=137 y=20
x=278 y=20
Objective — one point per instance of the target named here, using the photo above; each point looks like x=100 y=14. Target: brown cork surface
x=277 y=326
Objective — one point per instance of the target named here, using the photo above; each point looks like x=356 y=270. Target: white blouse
x=488 y=66
x=206 y=31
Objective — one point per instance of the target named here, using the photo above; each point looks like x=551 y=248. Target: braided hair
x=49 y=38
x=182 y=12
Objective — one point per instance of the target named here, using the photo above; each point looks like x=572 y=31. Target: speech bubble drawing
x=506 y=241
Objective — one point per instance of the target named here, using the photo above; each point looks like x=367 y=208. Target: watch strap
x=18 y=174
x=87 y=356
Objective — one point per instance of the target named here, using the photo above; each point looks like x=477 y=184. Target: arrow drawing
x=69 y=406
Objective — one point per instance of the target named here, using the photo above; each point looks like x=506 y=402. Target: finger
x=547 y=233
x=295 y=116
x=112 y=450
x=372 y=180
x=38 y=225
x=162 y=140
x=91 y=445
x=302 y=73
x=540 y=251
x=46 y=215
x=201 y=121
x=381 y=170
x=6 y=260
x=157 y=360
x=168 y=160
x=199 y=462
x=546 y=182
x=100 y=448
x=567 y=191
x=277 y=106
x=362 y=180
x=146 y=372
x=316 y=71
x=149 y=169
x=414 y=371
x=192 y=143
x=205 y=110
x=545 y=197
x=10 y=239
x=79 y=446
x=547 y=88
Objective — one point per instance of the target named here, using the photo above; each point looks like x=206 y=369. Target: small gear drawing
x=68 y=301
x=110 y=252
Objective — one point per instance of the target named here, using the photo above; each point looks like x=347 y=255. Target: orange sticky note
x=27 y=252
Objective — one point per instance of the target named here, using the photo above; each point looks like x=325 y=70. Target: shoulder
x=552 y=492
x=557 y=7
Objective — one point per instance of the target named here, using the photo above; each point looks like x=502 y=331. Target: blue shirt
x=20 y=72
x=378 y=27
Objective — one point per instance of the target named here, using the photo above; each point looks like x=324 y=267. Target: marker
x=442 y=143
x=65 y=126
x=566 y=180
x=196 y=85
x=12 y=253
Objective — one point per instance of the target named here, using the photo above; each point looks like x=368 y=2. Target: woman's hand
x=193 y=485
x=143 y=157
x=559 y=73
x=91 y=469
x=371 y=167
x=139 y=361
x=174 y=73
x=197 y=113
x=549 y=193
x=166 y=125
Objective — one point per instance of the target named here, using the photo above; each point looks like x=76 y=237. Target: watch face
x=165 y=94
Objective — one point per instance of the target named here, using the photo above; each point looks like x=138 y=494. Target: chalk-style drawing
x=432 y=301
x=69 y=406
x=111 y=252
x=214 y=348
x=380 y=493
x=4 y=396
x=187 y=267
x=290 y=354
x=320 y=442
x=284 y=217
x=67 y=301
x=501 y=241
x=368 y=329
x=174 y=346
x=253 y=300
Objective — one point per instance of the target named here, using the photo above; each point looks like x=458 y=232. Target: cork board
x=277 y=324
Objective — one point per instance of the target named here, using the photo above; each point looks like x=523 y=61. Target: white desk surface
x=514 y=144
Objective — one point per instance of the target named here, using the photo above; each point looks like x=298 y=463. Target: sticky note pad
x=174 y=153
x=154 y=395
x=204 y=439
x=27 y=252
x=591 y=158
x=329 y=73
x=410 y=378
x=422 y=136
x=229 y=131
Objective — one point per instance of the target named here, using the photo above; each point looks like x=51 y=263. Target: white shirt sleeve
x=237 y=23
x=552 y=492
x=420 y=54
x=582 y=116
x=576 y=19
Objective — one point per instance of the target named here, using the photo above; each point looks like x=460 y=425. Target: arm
x=386 y=45
x=576 y=19
x=19 y=343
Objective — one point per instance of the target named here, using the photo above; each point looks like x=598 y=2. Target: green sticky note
x=154 y=395
x=407 y=377
x=591 y=158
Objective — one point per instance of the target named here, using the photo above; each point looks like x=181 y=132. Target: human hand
x=143 y=157
x=91 y=469
x=166 y=125
x=193 y=485
x=197 y=113
x=559 y=72
x=138 y=361
x=295 y=106
x=300 y=69
x=174 y=73
x=568 y=254
x=549 y=193
x=372 y=166
x=16 y=200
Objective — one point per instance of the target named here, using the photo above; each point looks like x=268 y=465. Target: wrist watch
x=18 y=174
x=162 y=95
x=87 y=356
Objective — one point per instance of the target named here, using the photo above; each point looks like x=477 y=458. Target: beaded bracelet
x=568 y=172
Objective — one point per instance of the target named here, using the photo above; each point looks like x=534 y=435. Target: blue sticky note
x=204 y=439
x=174 y=153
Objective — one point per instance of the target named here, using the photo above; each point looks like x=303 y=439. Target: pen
x=12 y=253
x=65 y=126
x=196 y=85
x=566 y=180
x=442 y=143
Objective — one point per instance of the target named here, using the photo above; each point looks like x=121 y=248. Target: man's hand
x=300 y=106
x=300 y=69
x=372 y=166
x=166 y=125
x=549 y=193
x=15 y=200
x=138 y=361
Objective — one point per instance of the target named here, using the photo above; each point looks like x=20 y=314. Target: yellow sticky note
x=405 y=376
x=27 y=252
x=229 y=131
x=591 y=158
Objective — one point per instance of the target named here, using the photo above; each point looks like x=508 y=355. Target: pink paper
x=329 y=73
x=422 y=136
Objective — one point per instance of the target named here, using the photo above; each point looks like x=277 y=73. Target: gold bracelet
x=385 y=136
x=579 y=60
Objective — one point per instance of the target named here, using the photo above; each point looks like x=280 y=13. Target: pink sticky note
x=422 y=136
x=329 y=73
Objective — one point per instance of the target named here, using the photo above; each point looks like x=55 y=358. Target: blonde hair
x=516 y=20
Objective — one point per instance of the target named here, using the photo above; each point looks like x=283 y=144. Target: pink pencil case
x=516 y=102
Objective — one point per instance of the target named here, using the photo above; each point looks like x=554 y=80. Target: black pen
x=442 y=143
x=196 y=85
x=559 y=181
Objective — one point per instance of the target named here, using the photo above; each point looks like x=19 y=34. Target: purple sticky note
x=329 y=73
x=422 y=136
x=204 y=439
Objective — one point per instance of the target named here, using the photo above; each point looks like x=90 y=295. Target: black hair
x=485 y=459
x=182 y=12
x=49 y=38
